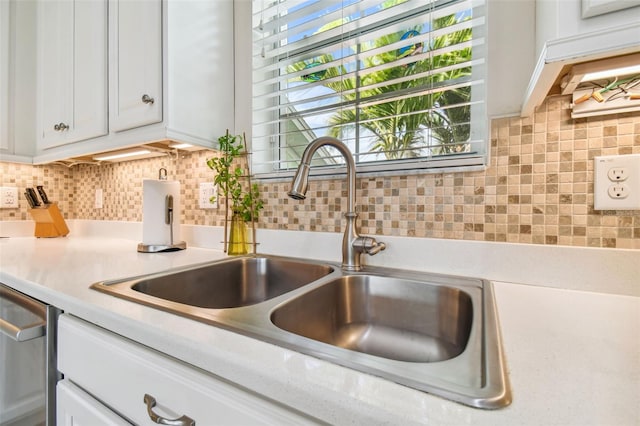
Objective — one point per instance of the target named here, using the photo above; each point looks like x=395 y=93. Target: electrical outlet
x=618 y=174
x=618 y=191
x=8 y=197
x=208 y=192
x=616 y=182
x=98 y=198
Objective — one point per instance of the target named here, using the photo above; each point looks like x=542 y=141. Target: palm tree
x=398 y=124
x=449 y=119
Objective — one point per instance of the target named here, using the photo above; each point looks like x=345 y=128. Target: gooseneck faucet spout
x=353 y=245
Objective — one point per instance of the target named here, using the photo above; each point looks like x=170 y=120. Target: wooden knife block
x=49 y=221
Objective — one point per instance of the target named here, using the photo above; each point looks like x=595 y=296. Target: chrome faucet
x=353 y=245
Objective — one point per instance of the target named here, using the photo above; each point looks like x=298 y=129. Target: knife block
x=49 y=221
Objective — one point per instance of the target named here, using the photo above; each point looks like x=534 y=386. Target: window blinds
x=401 y=82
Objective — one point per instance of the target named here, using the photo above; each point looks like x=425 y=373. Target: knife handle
x=34 y=197
x=43 y=194
x=32 y=204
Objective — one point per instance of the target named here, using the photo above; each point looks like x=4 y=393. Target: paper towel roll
x=155 y=230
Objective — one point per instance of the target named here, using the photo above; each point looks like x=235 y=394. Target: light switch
x=98 y=199
x=207 y=198
x=616 y=182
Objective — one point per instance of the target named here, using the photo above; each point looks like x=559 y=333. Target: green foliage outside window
x=398 y=125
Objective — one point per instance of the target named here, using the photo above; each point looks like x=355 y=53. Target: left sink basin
x=230 y=283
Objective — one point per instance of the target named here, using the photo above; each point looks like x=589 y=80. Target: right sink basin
x=388 y=317
x=437 y=333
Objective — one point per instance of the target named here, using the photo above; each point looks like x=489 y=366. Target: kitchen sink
x=388 y=317
x=435 y=333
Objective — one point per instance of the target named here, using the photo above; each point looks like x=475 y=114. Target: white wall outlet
x=618 y=174
x=8 y=197
x=616 y=182
x=618 y=191
x=98 y=198
x=208 y=196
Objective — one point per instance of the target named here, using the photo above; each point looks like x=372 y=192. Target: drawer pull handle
x=60 y=127
x=147 y=99
x=180 y=421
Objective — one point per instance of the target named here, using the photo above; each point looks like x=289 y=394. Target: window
x=401 y=82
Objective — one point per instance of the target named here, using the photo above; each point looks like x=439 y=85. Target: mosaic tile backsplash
x=538 y=189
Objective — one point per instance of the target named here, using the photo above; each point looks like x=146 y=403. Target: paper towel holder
x=172 y=246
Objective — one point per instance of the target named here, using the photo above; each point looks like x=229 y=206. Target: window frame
x=474 y=161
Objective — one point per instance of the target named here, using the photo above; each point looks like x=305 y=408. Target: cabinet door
x=123 y=375
x=75 y=407
x=4 y=75
x=72 y=71
x=135 y=63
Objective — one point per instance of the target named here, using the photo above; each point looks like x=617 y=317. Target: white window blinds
x=401 y=82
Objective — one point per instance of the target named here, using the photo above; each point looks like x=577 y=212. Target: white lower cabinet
x=135 y=384
x=75 y=407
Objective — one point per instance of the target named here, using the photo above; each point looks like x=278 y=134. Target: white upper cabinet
x=72 y=72
x=200 y=79
x=135 y=63
x=4 y=76
x=17 y=80
x=168 y=66
x=576 y=31
x=575 y=19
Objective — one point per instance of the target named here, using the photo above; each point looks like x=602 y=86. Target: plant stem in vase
x=241 y=196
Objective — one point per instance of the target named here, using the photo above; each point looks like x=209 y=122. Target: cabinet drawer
x=119 y=373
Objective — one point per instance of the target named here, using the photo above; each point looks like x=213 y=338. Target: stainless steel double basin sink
x=436 y=333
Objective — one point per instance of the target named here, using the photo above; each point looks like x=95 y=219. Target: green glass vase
x=238 y=242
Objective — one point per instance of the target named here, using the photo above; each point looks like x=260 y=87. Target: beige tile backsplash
x=538 y=189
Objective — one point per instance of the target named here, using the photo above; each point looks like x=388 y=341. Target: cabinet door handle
x=180 y=421
x=147 y=99
x=60 y=127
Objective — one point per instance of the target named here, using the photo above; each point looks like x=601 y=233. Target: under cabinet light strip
x=121 y=154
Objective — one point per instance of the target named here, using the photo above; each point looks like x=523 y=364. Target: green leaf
x=229 y=178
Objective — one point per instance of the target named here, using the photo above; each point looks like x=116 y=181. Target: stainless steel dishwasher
x=28 y=360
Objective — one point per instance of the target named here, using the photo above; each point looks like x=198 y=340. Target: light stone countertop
x=573 y=356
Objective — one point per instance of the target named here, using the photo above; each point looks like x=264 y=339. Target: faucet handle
x=369 y=245
x=377 y=247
